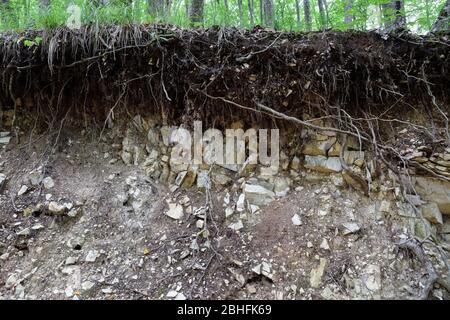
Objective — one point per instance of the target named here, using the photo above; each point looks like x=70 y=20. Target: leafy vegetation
x=291 y=15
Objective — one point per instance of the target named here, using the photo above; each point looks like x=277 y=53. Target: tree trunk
x=323 y=19
x=241 y=22
x=298 y=16
x=250 y=12
x=44 y=3
x=443 y=21
x=348 y=17
x=394 y=16
x=269 y=13
x=307 y=9
x=155 y=8
x=196 y=12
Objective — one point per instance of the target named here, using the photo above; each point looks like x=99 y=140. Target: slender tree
x=155 y=8
x=44 y=3
x=308 y=20
x=196 y=12
x=268 y=13
x=443 y=21
x=251 y=12
x=241 y=14
x=348 y=16
x=394 y=15
x=323 y=18
x=298 y=15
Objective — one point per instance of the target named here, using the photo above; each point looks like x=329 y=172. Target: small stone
x=322 y=212
x=24 y=232
x=175 y=211
x=5 y=140
x=317 y=273
x=92 y=256
x=324 y=245
x=228 y=212
x=74 y=212
x=107 y=290
x=385 y=206
x=309 y=244
x=2 y=179
x=199 y=224
x=258 y=195
x=56 y=208
x=35 y=177
x=11 y=281
x=236 y=226
x=240 y=204
x=69 y=292
x=180 y=296
x=171 y=294
x=431 y=212
x=23 y=189
x=37 y=226
x=70 y=261
x=87 y=285
x=251 y=289
x=350 y=227
x=48 y=183
x=296 y=221
x=257 y=269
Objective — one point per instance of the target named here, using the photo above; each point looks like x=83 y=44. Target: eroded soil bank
x=92 y=204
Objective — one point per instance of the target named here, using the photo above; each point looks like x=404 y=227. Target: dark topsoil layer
x=186 y=74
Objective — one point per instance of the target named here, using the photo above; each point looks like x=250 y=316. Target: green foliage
x=366 y=14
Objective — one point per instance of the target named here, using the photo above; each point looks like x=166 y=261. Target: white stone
x=23 y=189
x=175 y=211
x=258 y=195
x=240 y=204
x=228 y=212
x=48 y=183
x=87 y=285
x=236 y=226
x=199 y=224
x=296 y=221
x=324 y=245
x=171 y=294
x=323 y=164
x=350 y=227
x=317 y=273
x=92 y=256
x=56 y=208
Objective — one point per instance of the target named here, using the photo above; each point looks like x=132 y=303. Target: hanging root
x=415 y=246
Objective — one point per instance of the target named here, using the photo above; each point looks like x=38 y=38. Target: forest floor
x=118 y=243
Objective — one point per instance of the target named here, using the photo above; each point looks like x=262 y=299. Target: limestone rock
x=296 y=221
x=431 y=212
x=434 y=190
x=240 y=204
x=350 y=227
x=2 y=179
x=258 y=195
x=295 y=164
x=317 y=273
x=92 y=256
x=281 y=186
x=175 y=211
x=23 y=189
x=48 y=183
x=236 y=226
x=318 y=148
x=323 y=164
x=203 y=180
